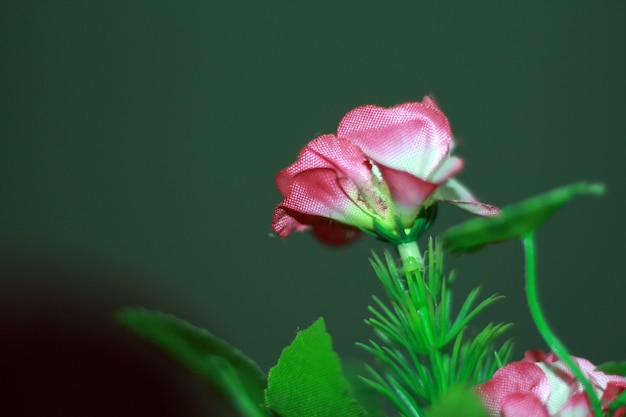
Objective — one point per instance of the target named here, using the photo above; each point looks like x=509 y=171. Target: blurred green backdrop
x=139 y=141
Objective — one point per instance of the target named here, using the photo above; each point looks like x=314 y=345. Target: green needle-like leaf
x=424 y=349
x=238 y=377
x=515 y=221
x=308 y=381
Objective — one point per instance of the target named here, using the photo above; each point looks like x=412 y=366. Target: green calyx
x=400 y=234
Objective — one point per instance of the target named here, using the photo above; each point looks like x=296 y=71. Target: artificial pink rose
x=383 y=166
x=541 y=385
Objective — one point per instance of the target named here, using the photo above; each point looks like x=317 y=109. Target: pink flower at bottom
x=541 y=385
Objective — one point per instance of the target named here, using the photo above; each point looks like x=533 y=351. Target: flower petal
x=554 y=387
x=562 y=386
x=522 y=404
x=456 y=193
x=316 y=192
x=515 y=377
x=448 y=168
x=577 y=406
x=325 y=181
x=411 y=137
x=610 y=394
x=613 y=389
x=407 y=191
x=327 y=151
x=284 y=223
x=334 y=234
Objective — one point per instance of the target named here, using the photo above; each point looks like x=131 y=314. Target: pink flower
x=541 y=385
x=383 y=166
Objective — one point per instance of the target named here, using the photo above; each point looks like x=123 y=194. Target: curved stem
x=544 y=329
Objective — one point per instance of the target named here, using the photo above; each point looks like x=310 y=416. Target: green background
x=139 y=141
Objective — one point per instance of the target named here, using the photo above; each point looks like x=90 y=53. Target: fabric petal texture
x=326 y=151
x=576 y=406
x=542 y=385
x=516 y=377
x=411 y=137
x=316 y=194
x=520 y=404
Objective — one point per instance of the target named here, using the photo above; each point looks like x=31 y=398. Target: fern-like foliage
x=423 y=349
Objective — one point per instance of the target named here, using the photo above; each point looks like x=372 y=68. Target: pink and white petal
x=562 y=387
x=512 y=378
x=522 y=404
x=328 y=151
x=613 y=389
x=284 y=223
x=565 y=386
x=345 y=157
x=316 y=192
x=562 y=371
x=453 y=189
x=576 y=406
x=612 y=380
x=599 y=379
x=407 y=191
x=307 y=159
x=449 y=168
x=412 y=137
x=456 y=193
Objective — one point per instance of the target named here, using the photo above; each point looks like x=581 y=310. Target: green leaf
x=238 y=377
x=515 y=220
x=308 y=380
x=458 y=402
x=613 y=368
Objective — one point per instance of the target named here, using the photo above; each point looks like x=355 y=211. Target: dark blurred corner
x=63 y=354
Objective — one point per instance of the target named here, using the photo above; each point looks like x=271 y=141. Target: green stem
x=411 y=257
x=413 y=265
x=544 y=329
